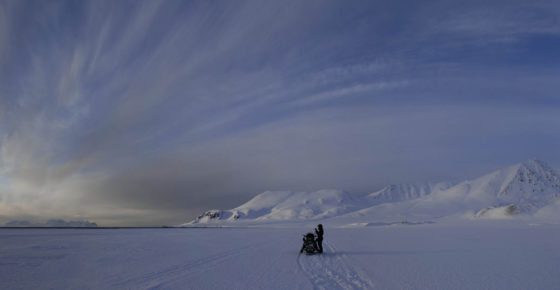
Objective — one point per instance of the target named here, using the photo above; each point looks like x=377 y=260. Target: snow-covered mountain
x=286 y=206
x=525 y=188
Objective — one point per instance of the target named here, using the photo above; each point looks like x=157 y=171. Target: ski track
x=158 y=279
x=331 y=271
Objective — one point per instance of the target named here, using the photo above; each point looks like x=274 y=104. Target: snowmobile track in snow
x=158 y=279
x=331 y=271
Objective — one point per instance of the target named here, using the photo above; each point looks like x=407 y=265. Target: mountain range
x=529 y=188
x=52 y=223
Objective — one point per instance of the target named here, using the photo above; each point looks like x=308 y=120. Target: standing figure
x=319 y=233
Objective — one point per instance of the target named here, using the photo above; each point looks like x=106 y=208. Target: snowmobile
x=309 y=244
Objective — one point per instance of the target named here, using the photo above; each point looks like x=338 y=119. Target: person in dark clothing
x=319 y=233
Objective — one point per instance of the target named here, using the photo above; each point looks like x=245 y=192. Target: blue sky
x=148 y=112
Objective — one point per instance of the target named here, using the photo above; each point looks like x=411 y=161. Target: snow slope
x=528 y=188
x=402 y=192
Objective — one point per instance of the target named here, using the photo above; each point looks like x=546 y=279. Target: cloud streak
x=147 y=112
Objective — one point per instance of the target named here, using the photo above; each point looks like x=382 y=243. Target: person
x=319 y=232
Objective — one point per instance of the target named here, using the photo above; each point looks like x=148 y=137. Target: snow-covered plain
x=482 y=254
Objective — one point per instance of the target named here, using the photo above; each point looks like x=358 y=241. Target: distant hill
x=55 y=223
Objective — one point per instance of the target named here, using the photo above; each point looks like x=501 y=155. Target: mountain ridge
x=522 y=188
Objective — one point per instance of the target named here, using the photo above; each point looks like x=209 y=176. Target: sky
x=145 y=113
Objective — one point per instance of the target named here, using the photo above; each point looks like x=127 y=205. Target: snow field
x=490 y=255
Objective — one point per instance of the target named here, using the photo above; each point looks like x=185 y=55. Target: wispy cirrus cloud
x=358 y=89
x=512 y=22
x=146 y=112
